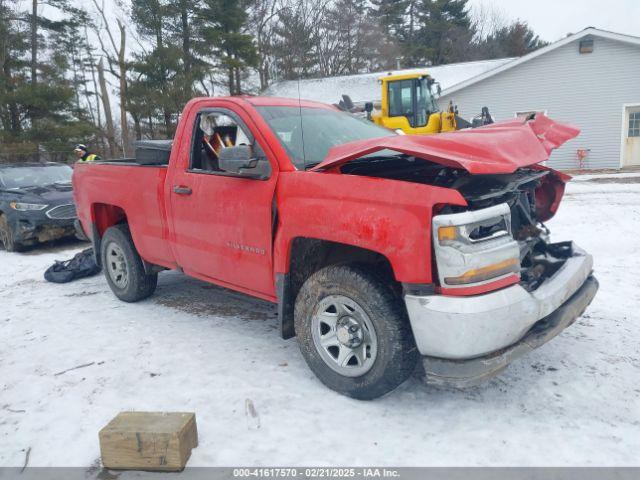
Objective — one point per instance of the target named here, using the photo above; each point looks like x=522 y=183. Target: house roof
x=589 y=31
x=364 y=87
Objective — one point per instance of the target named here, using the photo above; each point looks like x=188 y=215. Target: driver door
x=222 y=222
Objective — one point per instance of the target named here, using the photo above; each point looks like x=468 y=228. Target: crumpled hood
x=501 y=147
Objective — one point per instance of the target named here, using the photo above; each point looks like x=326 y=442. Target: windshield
x=21 y=177
x=307 y=134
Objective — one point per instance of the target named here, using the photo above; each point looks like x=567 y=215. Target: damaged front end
x=530 y=196
x=502 y=287
x=41 y=226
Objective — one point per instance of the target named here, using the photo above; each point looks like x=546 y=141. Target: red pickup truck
x=382 y=251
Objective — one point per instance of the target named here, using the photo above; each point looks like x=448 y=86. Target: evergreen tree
x=296 y=39
x=165 y=78
x=39 y=109
x=13 y=47
x=443 y=33
x=224 y=42
x=513 y=40
x=391 y=15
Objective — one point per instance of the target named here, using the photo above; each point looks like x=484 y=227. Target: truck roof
x=276 y=102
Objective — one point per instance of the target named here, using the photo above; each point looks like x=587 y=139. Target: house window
x=634 y=124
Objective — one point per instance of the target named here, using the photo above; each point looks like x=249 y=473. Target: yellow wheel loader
x=408 y=103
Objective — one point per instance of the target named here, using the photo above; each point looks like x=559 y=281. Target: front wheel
x=123 y=267
x=353 y=331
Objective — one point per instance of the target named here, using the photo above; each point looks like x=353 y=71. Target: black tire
x=396 y=355
x=138 y=285
x=7 y=238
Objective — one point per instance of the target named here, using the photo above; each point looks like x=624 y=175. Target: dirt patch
x=217 y=309
x=81 y=294
x=621 y=180
x=198 y=298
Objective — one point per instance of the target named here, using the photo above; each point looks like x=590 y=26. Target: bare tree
x=486 y=20
x=263 y=17
x=92 y=66
x=34 y=42
x=117 y=55
x=104 y=94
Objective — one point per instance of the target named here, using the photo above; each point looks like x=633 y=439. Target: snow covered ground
x=196 y=347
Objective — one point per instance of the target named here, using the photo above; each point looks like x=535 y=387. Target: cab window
x=214 y=131
x=401 y=98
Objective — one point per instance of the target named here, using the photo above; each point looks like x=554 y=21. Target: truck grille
x=62 y=212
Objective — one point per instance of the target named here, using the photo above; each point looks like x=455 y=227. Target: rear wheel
x=123 y=266
x=353 y=331
x=7 y=238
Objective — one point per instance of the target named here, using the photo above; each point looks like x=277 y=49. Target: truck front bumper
x=465 y=340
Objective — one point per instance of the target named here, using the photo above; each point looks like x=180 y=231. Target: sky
x=554 y=19
x=550 y=19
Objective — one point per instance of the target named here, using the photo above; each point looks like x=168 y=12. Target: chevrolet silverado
x=381 y=251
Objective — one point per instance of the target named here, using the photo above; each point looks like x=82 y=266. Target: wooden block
x=148 y=440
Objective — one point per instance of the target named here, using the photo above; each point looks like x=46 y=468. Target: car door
x=222 y=223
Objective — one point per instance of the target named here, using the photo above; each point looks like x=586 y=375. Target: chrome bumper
x=462 y=328
x=465 y=373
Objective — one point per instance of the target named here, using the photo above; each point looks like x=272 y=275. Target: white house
x=590 y=79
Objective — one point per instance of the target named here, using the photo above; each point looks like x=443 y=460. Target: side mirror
x=241 y=161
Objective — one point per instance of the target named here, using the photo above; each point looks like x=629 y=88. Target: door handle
x=182 y=190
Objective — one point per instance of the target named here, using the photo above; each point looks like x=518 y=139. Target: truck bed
x=149 y=153
x=125 y=186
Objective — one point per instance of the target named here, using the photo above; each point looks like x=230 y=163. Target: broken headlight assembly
x=475 y=247
x=474 y=232
x=26 y=207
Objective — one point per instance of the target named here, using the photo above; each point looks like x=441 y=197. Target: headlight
x=475 y=247
x=479 y=231
x=24 y=207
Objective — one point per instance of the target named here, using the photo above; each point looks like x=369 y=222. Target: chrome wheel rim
x=117 y=266
x=344 y=336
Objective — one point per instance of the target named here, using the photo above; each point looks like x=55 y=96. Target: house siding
x=587 y=90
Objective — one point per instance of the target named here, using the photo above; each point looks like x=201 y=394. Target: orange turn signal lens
x=511 y=265
x=447 y=233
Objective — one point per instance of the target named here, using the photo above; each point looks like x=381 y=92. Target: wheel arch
x=306 y=256
x=103 y=216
